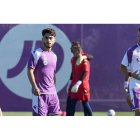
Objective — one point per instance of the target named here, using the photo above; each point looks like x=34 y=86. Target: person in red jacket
x=79 y=88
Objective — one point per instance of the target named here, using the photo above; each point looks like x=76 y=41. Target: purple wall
x=106 y=42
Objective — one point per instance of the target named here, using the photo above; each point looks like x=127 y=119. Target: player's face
x=138 y=37
x=75 y=51
x=48 y=40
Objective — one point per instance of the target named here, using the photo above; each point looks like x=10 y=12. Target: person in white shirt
x=131 y=59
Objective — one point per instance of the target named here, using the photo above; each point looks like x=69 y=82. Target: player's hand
x=36 y=91
x=76 y=86
x=68 y=85
x=126 y=90
x=126 y=83
x=135 y=75
x=84 y=56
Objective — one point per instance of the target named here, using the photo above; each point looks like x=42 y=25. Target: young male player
x=41 y=74
x=132 y=59
x=71 y=81
x=80 y=89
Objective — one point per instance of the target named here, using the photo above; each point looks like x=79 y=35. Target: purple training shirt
x=44 y=65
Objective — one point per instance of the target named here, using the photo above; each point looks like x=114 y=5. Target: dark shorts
x=45 y=105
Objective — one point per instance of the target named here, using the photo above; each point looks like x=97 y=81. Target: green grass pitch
x=76 y=114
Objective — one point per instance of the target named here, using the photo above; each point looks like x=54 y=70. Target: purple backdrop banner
x=106 y=42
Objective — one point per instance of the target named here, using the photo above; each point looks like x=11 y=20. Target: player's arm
x=30 y=73
x=127 y=72
x=84 y=56
x=85 y=69
x=126 y=83
x=76 y=86
x=54 y=77
x=127 y=78
x=124 y=70
x=89 y=57
x=83 y=76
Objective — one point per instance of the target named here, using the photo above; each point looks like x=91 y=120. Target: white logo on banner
x=11 y=47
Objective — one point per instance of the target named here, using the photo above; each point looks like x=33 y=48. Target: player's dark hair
x=50 y=31
x=139 y=29
x=78 y=44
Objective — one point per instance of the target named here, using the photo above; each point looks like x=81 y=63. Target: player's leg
x=39 y=106
x=54 y=107
x=128 y=99
x=85 y=112
x=137 y=112
x=68 y=105
x=72 y=107
x=135 y=97
x=87 y=108
x=0 y=112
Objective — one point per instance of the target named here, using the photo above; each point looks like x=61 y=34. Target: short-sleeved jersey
x=83 y=93
x=73 y=63
x=79 y=69
x=44 y=65
x=134 y=64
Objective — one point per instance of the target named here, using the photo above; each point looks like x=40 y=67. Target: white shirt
x=133 y=66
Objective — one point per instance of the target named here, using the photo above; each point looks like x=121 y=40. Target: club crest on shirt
x=45 y=62
x=43 y=54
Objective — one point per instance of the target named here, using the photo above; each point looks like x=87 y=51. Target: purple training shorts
x=45 y=105
x=135 y=97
